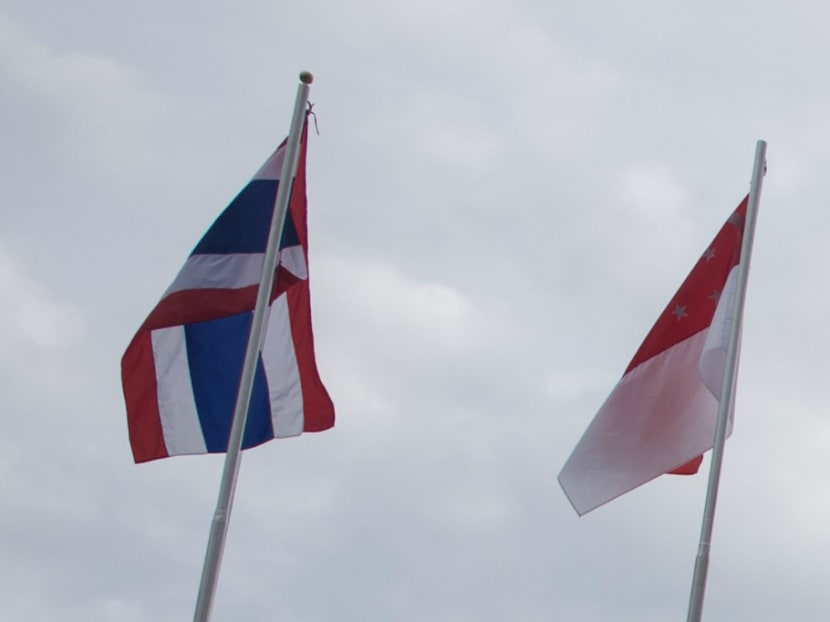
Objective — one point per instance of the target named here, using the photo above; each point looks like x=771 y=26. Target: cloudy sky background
x=503 y=196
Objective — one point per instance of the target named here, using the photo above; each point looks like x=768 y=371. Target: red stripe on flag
x=138 y=377
x=298 y=204
x=693 y=306
x=690 y=468
x=199 y=305
x=318 y=408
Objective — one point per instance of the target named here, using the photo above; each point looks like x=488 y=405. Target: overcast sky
x=502 y=198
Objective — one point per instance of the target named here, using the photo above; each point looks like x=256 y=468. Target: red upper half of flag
x=691 y=309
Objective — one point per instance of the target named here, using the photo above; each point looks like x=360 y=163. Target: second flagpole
x=219 y=525
x=727 y=398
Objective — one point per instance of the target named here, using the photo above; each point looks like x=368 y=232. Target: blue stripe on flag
x=289 y=233
x=215 y=351
x=243 y=226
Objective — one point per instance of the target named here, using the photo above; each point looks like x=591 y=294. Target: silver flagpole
x=219 y=526
x=728 y=389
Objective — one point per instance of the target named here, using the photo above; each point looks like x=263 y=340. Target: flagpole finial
x=306 y=77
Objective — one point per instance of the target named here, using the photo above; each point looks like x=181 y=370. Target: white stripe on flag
x=713 y=359
x=272 y=169
x=231 y=271
x=282 y=373
x=177 y=407
x=659 y=416
x=293 y=260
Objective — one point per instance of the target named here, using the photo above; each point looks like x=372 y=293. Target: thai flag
x=181 y=371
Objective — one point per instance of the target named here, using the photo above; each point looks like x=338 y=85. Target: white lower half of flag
x=659 y=416
x=713 y=359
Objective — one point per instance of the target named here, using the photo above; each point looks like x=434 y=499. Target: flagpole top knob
x=306 y=77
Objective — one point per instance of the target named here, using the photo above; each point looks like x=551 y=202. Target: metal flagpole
x=219 y=526
x=728 y=389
